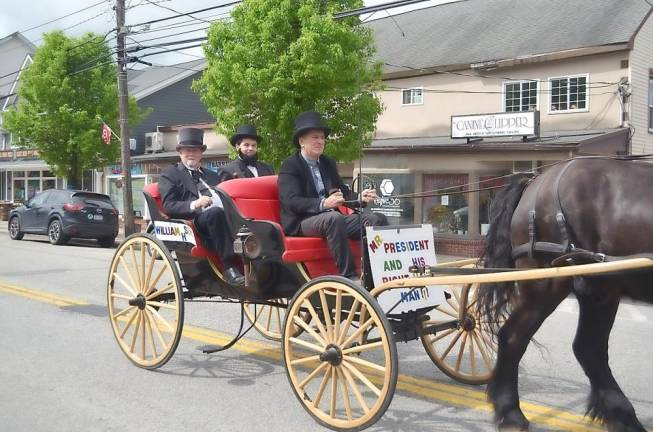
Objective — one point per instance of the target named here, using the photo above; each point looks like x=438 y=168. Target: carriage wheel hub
x=332 y=354
x=139 y=301
x=469 y=323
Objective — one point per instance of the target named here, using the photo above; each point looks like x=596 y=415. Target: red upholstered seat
x=258 y=198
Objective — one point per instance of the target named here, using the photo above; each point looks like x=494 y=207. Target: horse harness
x=565 y=252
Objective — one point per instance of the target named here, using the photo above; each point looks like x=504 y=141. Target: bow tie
x=197 y=175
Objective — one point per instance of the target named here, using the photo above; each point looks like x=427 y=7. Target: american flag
x=106 y=133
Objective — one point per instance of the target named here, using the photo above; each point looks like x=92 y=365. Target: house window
x=521 y=96
x=650 y=102
x=412 y=96
x=5 y=143
x=569 y=93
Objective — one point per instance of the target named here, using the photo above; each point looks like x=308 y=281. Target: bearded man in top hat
x=246 y=142
x=311 y=190
x=186 y=194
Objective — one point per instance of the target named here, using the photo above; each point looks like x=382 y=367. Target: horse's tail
x=495 y=298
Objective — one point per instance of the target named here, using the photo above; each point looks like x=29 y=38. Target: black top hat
x=191 y=138
x=309 y=120
x=244 y=131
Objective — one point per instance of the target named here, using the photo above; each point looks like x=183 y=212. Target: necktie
x=197 y=179
x=318 y=181
x=197 y=175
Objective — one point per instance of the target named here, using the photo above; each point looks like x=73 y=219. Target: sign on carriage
x=174 y=232
x=392 y=250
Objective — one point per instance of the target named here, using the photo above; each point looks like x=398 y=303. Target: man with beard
x=246 y=141
x=186 y=193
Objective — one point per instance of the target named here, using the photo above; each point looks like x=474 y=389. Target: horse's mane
x=494 y=298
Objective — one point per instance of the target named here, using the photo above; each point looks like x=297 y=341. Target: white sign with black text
x=494 y=125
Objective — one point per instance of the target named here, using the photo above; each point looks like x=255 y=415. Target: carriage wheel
x=343 y=384
x=146 y=303
x=466 y=352
x=269 y=319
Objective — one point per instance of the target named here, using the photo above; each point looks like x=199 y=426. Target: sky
x=28 y=18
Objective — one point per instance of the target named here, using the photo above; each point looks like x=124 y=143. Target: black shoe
x=233 y=277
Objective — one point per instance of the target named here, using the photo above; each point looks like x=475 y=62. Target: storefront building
x=437 y=145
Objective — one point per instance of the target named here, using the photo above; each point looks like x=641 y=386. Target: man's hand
x=369 y=195
x=202 y=202
x=334 y=200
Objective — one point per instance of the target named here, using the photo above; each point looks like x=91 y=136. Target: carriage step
x=210 y=349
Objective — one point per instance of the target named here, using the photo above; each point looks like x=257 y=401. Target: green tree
x=70 y=85
x=277 y=58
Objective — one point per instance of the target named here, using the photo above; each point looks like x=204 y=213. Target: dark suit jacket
x=297 y=194
x=238 y=169
x=178 y=190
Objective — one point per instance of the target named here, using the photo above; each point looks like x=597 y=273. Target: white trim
x=28 y=57
x=411 y=89
x=537 y=93
x=569 y=111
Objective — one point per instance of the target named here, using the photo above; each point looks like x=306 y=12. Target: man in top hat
x=311 y=190
x=246 y=142
x=186 y=194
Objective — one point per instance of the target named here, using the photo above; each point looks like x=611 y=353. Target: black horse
x=579 y=211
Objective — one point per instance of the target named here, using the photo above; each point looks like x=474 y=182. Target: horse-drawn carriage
x=333 y=331
x=338 y=342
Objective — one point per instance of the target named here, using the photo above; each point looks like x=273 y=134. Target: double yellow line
x=411 y=385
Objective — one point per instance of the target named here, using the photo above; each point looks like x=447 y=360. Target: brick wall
x=458 y=246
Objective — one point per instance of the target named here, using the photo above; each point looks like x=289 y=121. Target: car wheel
x=106 y=242
x=14 y=229
x=55 y=233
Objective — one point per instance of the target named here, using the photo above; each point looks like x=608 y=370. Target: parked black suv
x=63 y=214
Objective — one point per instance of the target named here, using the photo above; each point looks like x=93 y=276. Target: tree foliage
x=69 y=86
x=277 y=58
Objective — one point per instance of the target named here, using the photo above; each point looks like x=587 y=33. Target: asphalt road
x=61 y=369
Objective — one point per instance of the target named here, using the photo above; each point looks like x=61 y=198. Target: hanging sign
x=496 y=125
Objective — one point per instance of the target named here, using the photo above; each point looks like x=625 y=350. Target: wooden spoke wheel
x=268 y=319
x=465 y=352
x=146 y=302
x=344 y=384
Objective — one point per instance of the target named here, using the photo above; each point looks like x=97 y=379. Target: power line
x=191 y=12
x=65 y=16
x=368 y=9
x=500 y=78
x=175 y=11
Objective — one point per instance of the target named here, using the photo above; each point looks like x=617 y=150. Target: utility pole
x=123 y=96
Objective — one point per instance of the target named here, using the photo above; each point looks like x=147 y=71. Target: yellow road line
x=407 y=384
x=42 y=296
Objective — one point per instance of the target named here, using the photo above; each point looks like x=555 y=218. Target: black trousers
x=212 y=225
x=336 y=228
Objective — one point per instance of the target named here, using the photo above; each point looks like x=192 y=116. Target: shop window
x=412 y=96
x=5 y=143
x=489 y=187
x=447 y=211
x=520 y=96
x=569 y=93
x=390 y=188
